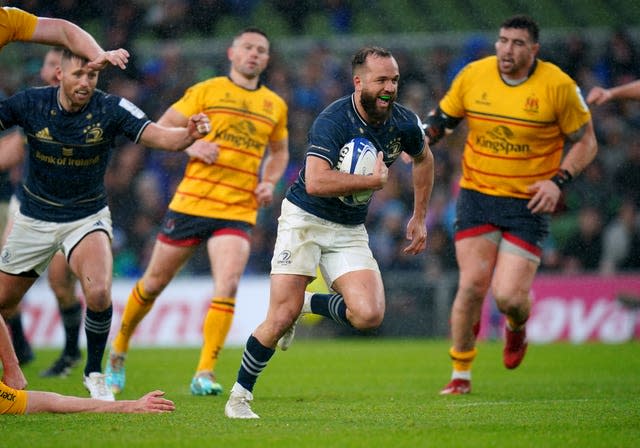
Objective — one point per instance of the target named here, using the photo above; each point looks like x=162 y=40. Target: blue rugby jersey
x=6 y=187
x=68 y=152
x=333 y=128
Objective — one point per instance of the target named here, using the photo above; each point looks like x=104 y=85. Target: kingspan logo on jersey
x=498 y=141
x=240 y=136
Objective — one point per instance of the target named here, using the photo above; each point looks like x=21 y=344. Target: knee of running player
x=97 y=295
x=365 y=313
x=513 y=303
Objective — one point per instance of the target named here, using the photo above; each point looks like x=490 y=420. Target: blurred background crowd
x=176 y=43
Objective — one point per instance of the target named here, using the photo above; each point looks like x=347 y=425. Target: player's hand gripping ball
x=357 y=157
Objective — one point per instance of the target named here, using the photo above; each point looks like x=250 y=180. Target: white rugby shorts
x=305 y=241
x=32 y=243
x=14 y=205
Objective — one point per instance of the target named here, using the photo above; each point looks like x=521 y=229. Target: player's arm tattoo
x=577 y=135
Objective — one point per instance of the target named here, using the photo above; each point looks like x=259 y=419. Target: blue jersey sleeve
x=11 y=111
x=131 y=120
x=326 y=137
x=412 y=132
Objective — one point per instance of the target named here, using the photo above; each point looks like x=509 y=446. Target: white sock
x=306 y=306
x=461 y=375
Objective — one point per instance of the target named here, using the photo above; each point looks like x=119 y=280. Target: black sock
x=96 y=327
x=17 y=332
x=331 y=306
x=254 y=360
x=71 y=320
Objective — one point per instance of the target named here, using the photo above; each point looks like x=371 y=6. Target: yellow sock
x=214 y=331
x=138 y=305
x=462 y=360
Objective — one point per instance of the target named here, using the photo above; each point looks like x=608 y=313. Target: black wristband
x=438 y=124
x=562 y=178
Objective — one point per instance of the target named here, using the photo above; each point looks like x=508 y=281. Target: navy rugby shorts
x=179 y=229
x=478 y=214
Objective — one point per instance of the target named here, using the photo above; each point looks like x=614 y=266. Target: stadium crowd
x=597 y=229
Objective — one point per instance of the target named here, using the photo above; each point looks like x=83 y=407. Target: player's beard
x=369 y=104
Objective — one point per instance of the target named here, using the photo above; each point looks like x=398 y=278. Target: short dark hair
x=68 y=55
x=251 y=29
x=523 y=22
x=360 y=58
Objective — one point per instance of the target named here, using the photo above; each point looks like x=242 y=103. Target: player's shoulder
x=21 y=22
x=551 y=72
x=213 y=81
x=110 y=104
x=35 y=91
x=271 y=95
x=488 y=63
x=35 y=94
x=338 y=107
x=336 y=121
x=12 y=11
x=340 y=114
x=214 y=84
x=405 y=118
x=101 y=97
x=403 y=111
x=476 y=71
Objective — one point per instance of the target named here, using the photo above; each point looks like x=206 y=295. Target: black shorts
x=479 y=213
x=179 y=229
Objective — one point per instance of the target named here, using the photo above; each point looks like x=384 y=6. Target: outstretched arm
x=600 y=95
x=176 y=138
x=153 y=402
x=66 y=34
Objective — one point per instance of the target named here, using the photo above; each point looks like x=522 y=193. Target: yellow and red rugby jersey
x=516 y=133
x=16 y=25
x=243 y=122
x=12 y=401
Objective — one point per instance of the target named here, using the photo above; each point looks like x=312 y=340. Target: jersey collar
x=244 y=88
x=518 y=82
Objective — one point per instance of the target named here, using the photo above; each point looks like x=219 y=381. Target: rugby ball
x=357 y=157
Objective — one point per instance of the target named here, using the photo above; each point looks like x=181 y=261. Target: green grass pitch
x=364 y=392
